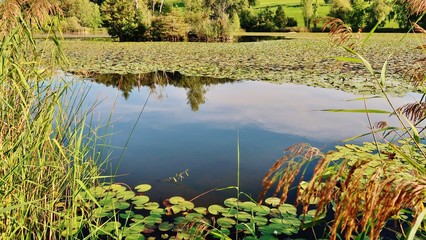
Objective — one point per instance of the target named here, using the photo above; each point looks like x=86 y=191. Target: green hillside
x=292 y=8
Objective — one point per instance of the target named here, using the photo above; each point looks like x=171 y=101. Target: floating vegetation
x=131 y=215
x=306 y=60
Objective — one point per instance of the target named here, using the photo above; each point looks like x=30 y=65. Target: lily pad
x=215 y=209
x=151 y=205
x=176 y=200
x=261 y=210
x=125 y=195
x=226 y=222
x=273 y=201
x=231 y=202
x=243 y=216
x=287 y=209
x=165 y=226
x=136 y=236
x=192 y=216
x=140 y=200
x=201 y=210
x=143 y=187
x=247 y=205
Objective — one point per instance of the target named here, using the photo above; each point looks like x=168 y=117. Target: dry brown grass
x=285 y=170
x=341 y=34
x=34 y=12
x=366 y=189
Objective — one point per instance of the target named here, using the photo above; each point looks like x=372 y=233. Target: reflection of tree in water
x=196 y=86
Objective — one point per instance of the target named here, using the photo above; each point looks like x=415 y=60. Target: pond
x=187 y=128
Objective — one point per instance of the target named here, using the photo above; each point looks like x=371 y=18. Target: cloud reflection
x=279 y=108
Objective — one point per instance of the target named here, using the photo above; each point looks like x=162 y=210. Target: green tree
x=87 y=12
x=341 y=9
x=358 y=16
x=126 y=19
x=307 y=12
x=280 y=19
x=401 y=13
x=213 y=19
x=170 y=27
x=377 y=13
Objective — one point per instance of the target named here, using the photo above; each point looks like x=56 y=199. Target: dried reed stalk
x=363 y=198
x=33 y=12
x=341 y=34
x=285 y=170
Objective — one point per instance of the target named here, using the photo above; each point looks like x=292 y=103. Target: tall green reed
x=47 y=151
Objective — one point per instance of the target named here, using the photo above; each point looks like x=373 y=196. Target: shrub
x=170 y=27
x=71 y=24
x=126 y=19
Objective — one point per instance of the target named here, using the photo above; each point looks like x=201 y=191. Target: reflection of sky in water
x=171 y=138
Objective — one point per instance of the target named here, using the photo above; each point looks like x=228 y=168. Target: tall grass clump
x=46 y=159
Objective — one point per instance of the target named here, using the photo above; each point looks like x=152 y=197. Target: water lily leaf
x=111 y=226
x=247 y=205
x=151 y=205
x=274 y=201
x=287 y=209
x=259 y=220
x=126 y=195
x=179 y=220
x=98 y=192
x=215 y=209
x=231 y=202
x=192 y=216
x=176 y=200
x=137 y=217
x=201 y=210
x=143 y=187
x=268 y=237
x=187 y=205
x=125 y=231
x=127 y=214
x=243 y=216
x=116 y=187
x=122 y=205
x=150 y=221
x=229 y=212
x=101 y=212
x=165 y=226
x=220 y=233
x=135 y=236
x=137 y=227
x=261 y=210
x=226 y=222
x=140 y=200
x=159 y=211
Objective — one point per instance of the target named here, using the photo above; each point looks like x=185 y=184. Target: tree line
x=218 y=20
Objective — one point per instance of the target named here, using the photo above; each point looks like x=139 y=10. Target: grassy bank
x=47 y=151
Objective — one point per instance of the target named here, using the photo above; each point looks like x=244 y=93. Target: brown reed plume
x=33 y=12
x=416 y=73
x=366 y=192
x=415 y=112
x=416 y=6
x=340 y=33
x=285 y=170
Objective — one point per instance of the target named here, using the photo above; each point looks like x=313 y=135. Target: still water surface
x=195 y=127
